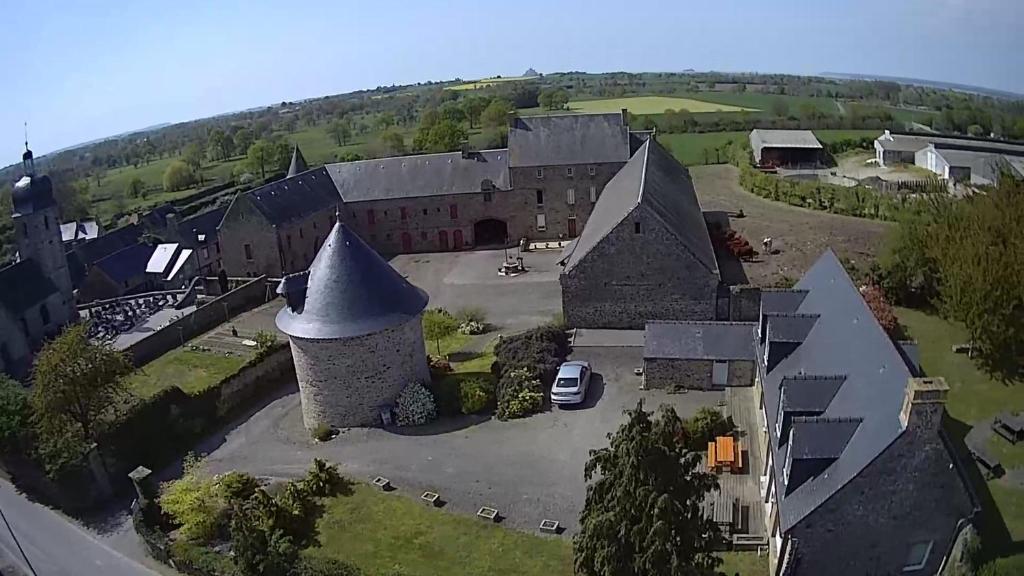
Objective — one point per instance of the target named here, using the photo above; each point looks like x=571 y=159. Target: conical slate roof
x=298 y=165
x=350 y=291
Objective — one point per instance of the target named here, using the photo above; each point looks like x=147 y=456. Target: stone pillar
x=141 y=479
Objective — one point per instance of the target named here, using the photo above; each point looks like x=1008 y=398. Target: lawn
x=694 y=148
x=446 y=388
x=379 y=532
x=485 y=82
x=974 y=397
x=191 y=370
x=765 y=102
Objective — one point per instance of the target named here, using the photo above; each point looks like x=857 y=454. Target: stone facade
x=343 y=382
x=564 y=213
x=630 y=277
x=248 y=242
x=912 y=493
x=744 y=303
x=667 y=373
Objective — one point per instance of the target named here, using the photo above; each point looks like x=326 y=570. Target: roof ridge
x=816 y=377
x=793 y=314
x=827 y=419
x=705 y=322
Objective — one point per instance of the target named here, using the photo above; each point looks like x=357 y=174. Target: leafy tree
x=444 y=136
x=453 y=112
x=265 y=342
x=268 y=154
x=341 y=130
x=194 y=502
x=385 y=120
x=643 y=512
x=178 y=176
x=495 y=115
x=77 y=380
x=261 y=546
x=391 y=142
x=473 y=107
x=780 y=107
x=220 y=144
x=72 y=196
x=553 y=98
x=243 y=139
x=136 y=188
x=194 y=156
x=429 y=117
x=437 y=325
x=704 y=426
x=14 y=411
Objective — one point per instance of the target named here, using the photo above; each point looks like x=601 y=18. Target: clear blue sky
x=79 y=70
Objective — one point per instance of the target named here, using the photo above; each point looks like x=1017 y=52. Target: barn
x=785 y=148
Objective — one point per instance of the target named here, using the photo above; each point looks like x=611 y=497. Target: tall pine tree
x=643 y=513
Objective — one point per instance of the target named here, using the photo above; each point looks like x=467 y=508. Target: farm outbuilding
x=699 y=355
x=785 y=148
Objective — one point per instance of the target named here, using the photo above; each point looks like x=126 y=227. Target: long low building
x=968 y=160
x=785 y=148
x=543 y=186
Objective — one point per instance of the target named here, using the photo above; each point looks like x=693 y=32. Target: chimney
x=923 y=403
x=512 y=118
x=886 y=135
x=625 y=116
x=172 y=222
x=464 y=145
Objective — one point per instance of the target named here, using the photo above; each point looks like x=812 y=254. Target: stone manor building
x=543 y=186
x=36 y=298
x=354 y=324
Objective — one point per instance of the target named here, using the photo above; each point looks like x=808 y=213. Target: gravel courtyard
x=528 y=469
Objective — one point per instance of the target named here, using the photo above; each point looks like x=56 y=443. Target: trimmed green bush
x=310 y=565
x=475 y=395
x=323 y=432
x=519 y=395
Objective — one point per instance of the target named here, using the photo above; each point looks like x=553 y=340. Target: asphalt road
x=54 y=545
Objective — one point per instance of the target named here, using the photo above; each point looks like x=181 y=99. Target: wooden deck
x=740 y=491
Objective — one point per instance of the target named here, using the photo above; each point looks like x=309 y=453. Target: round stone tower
x=354 y=324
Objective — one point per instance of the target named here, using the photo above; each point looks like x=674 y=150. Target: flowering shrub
x=415 y=406
x=470 y=327
x=519 y=394
x=475 y=394
x=438 y=365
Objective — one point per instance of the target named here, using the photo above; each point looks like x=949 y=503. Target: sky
x=77 y=70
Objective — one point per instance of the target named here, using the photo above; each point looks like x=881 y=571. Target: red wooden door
x=572 y=227
x=442 y=239
x=457 y=239
x=406 y=242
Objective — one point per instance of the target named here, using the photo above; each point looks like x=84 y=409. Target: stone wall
x=300 y=240
x=554 y=186
x=630 y=278
x=244 y=225
x=693 y=374
x=343 y=382
x=744 y=303
x=203 y=319
x=910 y=493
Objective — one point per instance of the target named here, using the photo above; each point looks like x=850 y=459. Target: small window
x=569 y=171
x=46 y=221
x=385 y=213
x=636 y=227
x=593 y=194
x=453 y=211
x=206 y=253
x=300 y=231
x=402 y=214
x=216 y=246
x=387 y=236
x=314 y=224
x=541 y=223
x=424 y=211
x=423 y=235
x=570 y=196
x=371 y=218
x=289 y=239
x=488 y=196
x=592 y=170
x=540 y=173
x=354 y=217
x=917 y=556
x=540 y=197
x=248 y=251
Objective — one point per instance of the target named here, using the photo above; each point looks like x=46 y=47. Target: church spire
x=28 y=163
x=298 y=164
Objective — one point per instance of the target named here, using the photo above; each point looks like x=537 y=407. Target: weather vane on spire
x=26 y=135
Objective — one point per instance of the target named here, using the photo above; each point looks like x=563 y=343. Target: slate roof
x=31 y=194
x=295 y=197
x=914 y=142
x=802 y=393
x=781 y=300
x=821 y=438
x=422 y=175
x=23 y=285
x=783 y=139
x=652 y=177
x=700 y=340
x=203 y=224
x=92 y=251
x=984 y=165
x=790 y=327
x=298 y=164
x=350 y=291
x=565 y=139
x=126 y=263
x=846 y=340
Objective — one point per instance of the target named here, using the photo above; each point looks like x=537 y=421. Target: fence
x=202 y=319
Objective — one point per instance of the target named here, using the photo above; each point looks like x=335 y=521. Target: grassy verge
x=192 y=371
x=446 y=388
x=381 y=532
x=974 y=397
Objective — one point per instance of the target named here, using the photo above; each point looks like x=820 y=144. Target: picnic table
x=725 y=454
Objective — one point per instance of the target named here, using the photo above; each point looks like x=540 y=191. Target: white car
x=571 y=384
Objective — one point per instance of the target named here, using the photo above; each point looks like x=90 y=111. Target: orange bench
x=739 y=457
x=712 y=462
x=725 y=450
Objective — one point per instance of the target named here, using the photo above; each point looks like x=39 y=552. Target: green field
x=829 y=136
x=190 y=370
x=381 y=532
x=974 y=397
x=485 y=82
x=765 y=102
x=641 y=105
x=693 y=149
